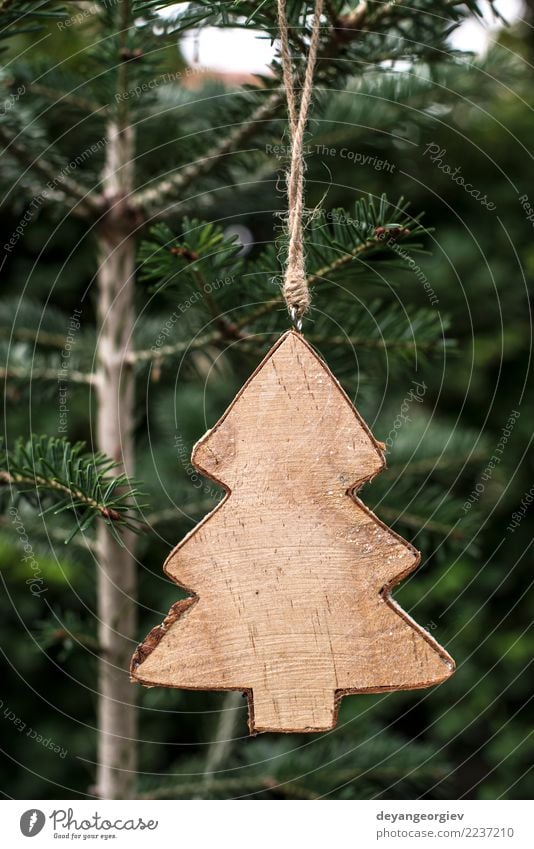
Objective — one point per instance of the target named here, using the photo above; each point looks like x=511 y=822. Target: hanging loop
x=296 y=318
x=295 y=287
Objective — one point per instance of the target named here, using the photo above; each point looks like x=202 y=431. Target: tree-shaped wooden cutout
x=291 y=574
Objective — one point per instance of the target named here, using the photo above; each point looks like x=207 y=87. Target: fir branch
x=156 y=195
x=320 y=767
x=30 y=320
x=341 y=261
x=37 y=336
x=280 y=785
x=67 y=631
x=370 y=227
x=266 y=308
x=337 y=243
x=29 y=374
x=436 y=463
x=35 y=529
x=73 y=479
x=196 y=508
x=420 y=523
x=24 y=16
x=166 y=351
x=380 y=342
x=58 y=97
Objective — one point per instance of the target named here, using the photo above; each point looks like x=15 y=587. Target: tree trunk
x=116 y=564
x=232 y=714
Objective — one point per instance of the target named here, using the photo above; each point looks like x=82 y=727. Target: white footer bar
x=264 y=824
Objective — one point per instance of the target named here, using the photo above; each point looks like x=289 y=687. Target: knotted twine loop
x=295 y=288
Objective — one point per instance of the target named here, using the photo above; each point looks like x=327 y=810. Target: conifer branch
x=35 y=529
x=58 y=97
x=30 y=374
x=166 y=351
x=420 y=523
x=221 y=335
x=157 y=194
x=379 y=342
x=265 y=112
x=195 y=508
x=67 y=631
x=74 y=480
x=55 y=179
x=336 y=264
x=41 y=337
x=23 y=16
x=229 y=787
x=374 y=228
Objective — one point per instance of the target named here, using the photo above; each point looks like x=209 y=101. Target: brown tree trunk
x=115 y=423
x=117 y=574
x=233 y=711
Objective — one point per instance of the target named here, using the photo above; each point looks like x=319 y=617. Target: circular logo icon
x=31 y=822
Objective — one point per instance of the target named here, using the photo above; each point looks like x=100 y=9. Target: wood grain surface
x=290 y=575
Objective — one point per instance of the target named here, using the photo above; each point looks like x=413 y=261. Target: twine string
x=295 y=287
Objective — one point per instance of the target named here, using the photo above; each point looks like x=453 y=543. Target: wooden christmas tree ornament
x=290 y=576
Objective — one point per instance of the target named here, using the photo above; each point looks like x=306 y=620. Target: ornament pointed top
x=289 y=399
